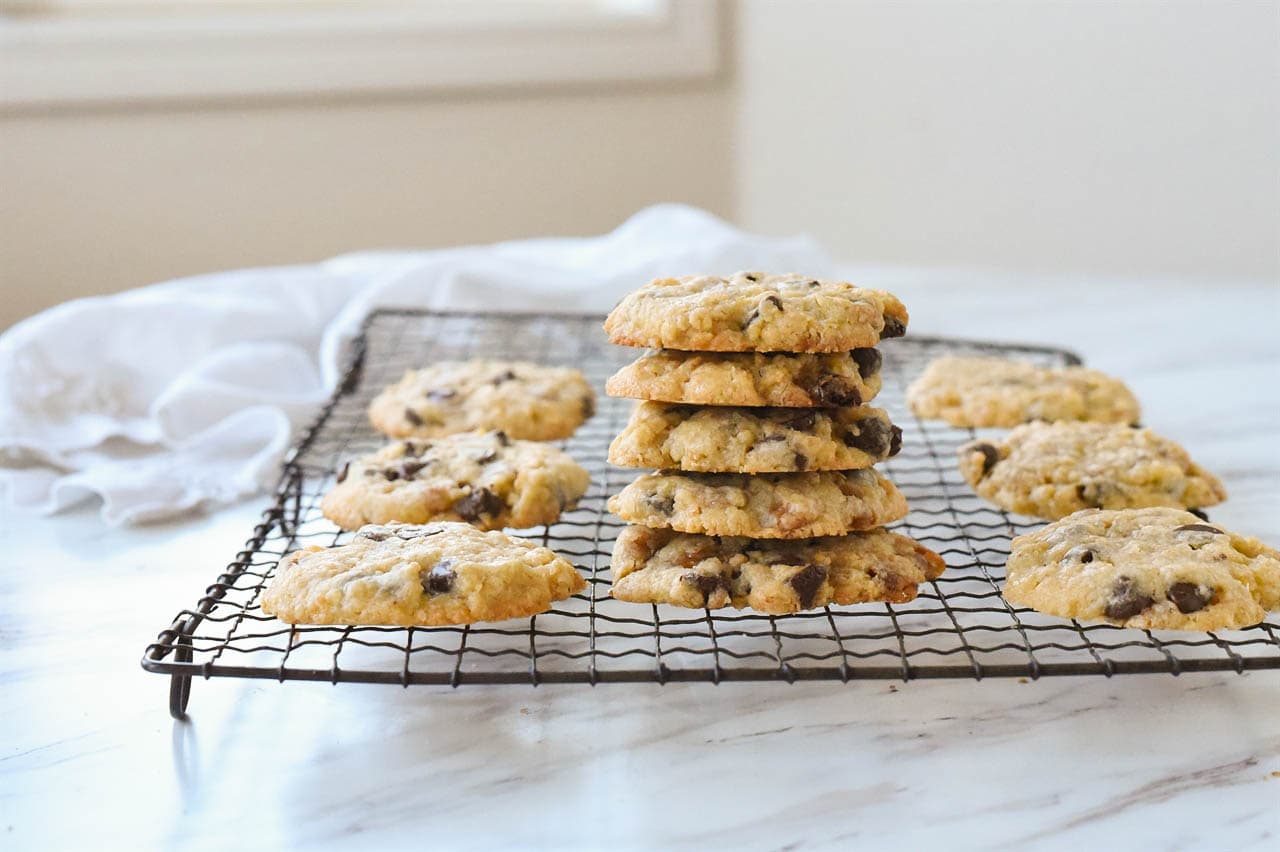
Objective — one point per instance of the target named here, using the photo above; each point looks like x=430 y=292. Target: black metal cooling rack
x=959 y=626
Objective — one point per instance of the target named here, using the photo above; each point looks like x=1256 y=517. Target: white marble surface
x=90 y=758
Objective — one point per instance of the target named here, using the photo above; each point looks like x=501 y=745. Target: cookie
x=1050 y=470
x=778 y=505
x=483 y=478
x=663 y=566
x=1154 y=568
x=754 y=440
x=755 y=312
x=528 y=401
x=1000 y=392
x=751 y=378
x=405 y=575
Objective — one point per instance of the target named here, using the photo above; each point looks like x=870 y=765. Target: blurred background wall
x=1127 y=138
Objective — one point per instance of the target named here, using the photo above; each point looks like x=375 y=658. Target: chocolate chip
x=704 y=583
x=343 y=471
x=409 y=467
x=835 y=391
x=588 y=407
x=1090 y=494
x=1126 y=601
x=1198 y=528
x=1189 y=597
x=813 y=284
x=479 y=502
x=755 y=313
x=486 y=457
x=1080 y=554
x=751 y=276
x=895 y=440
x=441 y=394
x=409 y=532
x=801 y=461
x=868 y=361
x=806 y=582
x=438 y=580
x=769 y=439
x=1199 y=513
x=893 y=327
x=391 y=473
x=501 y=438
x=990 y=456
x=504 y=376
x=874 y=437
x=661 y=505
x=803 y=421
x=413 y=417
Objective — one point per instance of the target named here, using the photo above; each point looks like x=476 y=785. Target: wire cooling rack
x=959 y=626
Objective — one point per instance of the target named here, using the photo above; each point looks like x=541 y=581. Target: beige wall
x=1126 y=137
x=1117 y=137
x=92 y=202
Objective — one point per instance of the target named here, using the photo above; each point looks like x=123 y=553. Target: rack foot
x=179 y=695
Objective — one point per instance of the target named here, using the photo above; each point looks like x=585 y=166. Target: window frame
x=61 y=55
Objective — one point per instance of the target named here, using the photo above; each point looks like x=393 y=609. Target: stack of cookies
x=753 y=412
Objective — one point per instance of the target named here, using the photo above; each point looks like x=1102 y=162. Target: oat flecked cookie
x=754 y=440
x=527 y=401
x=401 y=574
x=483 y=478
x=1001 y=392
x=778 y=505
x=1050 y=470
x=662 y=566
x=1156 y=568
x=755 y=312
x=751 y=378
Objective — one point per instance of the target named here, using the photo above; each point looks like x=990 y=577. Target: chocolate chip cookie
x=401 y=574
x=1154 y=568
x=483 y=478
x=529 y=401
x=751 y=378
x=1053 y=469
x=755 y=312
x=779 y=505
x=754 y=440
x=664 y=566
x=1001 y=392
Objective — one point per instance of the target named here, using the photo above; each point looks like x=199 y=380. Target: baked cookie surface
x=1051 y=470
x=696 y=571
x=525 y=400
x=781 y=505
x=1002 y=392
x=483 y=478
x=754 y=440
x=403 y=574
x=755 y=312
x=751 y=378
x=1155 y=568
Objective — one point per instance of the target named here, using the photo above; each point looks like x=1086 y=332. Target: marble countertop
x=89 y=755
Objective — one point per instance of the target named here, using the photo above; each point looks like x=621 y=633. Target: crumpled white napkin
x=185 y=394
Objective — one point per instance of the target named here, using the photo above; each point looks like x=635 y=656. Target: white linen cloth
x=185 y=394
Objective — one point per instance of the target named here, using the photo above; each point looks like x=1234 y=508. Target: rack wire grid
x=959 y=626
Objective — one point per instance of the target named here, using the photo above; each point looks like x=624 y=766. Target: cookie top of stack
x=755 y=312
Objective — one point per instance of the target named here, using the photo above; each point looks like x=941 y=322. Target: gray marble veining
x=90 y=758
